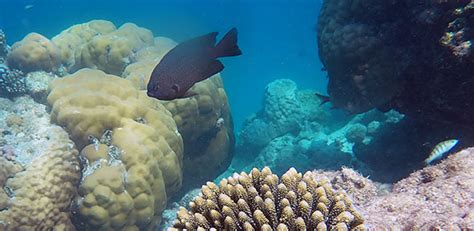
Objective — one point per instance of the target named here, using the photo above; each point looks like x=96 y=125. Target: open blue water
x=277 y=37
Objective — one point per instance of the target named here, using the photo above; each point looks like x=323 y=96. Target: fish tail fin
x=228 y=45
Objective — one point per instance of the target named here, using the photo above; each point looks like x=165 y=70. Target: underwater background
x=338 y=115
x=265 y=29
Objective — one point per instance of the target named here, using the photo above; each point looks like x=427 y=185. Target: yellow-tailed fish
x=440 y=149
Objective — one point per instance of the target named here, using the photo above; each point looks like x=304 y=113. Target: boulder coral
x=129 y=192
x=263 y=201
x=204 y=120
x=112 y=52
x=147 y=58
x=100 y=45
x=40 y=196
x=414 y=57
x=286 y=109
x=8 y=169
x=71 y=41
x=34 y=53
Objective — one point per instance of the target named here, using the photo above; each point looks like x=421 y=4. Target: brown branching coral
x=262 y=201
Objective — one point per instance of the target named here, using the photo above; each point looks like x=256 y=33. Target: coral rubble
x=263 y=201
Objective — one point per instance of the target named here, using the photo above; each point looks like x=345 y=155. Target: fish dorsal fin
x=207 y=40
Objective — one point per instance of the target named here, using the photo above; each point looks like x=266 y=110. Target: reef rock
x=435 y=197
x=294 y=130
x=414 y=57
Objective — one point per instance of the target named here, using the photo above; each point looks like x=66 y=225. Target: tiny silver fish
x=440 y=149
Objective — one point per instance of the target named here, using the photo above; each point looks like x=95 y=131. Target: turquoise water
x=278 y=38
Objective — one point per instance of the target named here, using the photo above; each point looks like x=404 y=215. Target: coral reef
x=42 y=194
x=4 y=49
x=260 y=200
x=98 y=44
x=284 y=110
x=206 y=125
x=12 y=82
x=409 y=56
x=112 y=52
x=147 y=58
x=170 y=214
x=435 y=197
x=130 y=189
x=9 y=169
x=34 y=53
x=359 y=188
x=204 y=120
x=71 y=41
x=37 y=85
x=301 y=133
x=457 y=37
x=25 y=128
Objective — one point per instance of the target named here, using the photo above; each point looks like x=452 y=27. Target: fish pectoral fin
x=214 y=67
x=176 y=88
x=189 y=93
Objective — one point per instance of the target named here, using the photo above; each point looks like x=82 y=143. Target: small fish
x=440 y=149
x=27 y=7
x=190 y=62
x=324 y=99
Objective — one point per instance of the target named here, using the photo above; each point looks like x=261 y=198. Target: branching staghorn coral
x=262 y=201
